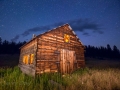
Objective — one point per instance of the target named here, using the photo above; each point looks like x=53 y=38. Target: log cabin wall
x=27 y=50
x=49 y=46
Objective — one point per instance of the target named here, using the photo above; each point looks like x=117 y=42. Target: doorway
x=67 y=60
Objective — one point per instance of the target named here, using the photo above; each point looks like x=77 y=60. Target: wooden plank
x=71 y=60
x=46 y=47
x=68 y=59
x=54 y=41
x=45 y=50
x=32 y=43
x=45 y=53
x=54 y=70
x=60 y=45
x=49 y=60
x=59 y=36
x=47 y=70
x=52 y=36
x=63 y=59
x=45 y=57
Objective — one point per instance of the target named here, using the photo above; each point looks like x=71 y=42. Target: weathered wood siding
x=68 y=61
x=49 y=46
x=29 y=48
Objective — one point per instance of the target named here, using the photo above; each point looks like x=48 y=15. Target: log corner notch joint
x=57 y=50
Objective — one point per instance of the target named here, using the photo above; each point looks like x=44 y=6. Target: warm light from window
x=66 y=38
x=25 y=59
x=31 y=58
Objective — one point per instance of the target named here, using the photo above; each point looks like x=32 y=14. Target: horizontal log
x=40 y=72
x=43 y=56
x=53 y=37
x=54 y=66
x=58 y=45
x=39 y=68
x=60 y=41
x=45 y=53
x=47 y=70
x=47 y=57
x=42 y=63
x=45 y=50
x=50 y=64
x=47 y=63
x=54 y=70
x=46 y=47
x=48 y=50
x=59 y=37
x=34 y=42
x=54 y=47
x=59 y=34
x=49 y=60
x=43 y=69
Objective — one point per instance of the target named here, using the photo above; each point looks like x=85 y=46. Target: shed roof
x=49 y=31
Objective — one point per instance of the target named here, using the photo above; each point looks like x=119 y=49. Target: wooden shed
x=57 y=50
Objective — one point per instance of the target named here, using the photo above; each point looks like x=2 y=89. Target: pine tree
x=0 y=40
x=116 y=51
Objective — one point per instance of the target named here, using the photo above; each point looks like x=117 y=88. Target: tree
x=0 y=40
x=0 y=45
x=115 y=52
x=109 y=51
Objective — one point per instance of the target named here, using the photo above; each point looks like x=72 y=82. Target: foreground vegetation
x=82 y=79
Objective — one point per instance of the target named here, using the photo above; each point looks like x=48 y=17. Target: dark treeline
x=7 y=47
x=102 y=52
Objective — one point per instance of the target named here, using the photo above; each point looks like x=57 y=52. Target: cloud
x=86 y=34
x=36 y=29
x=80 y=25
x=15 y=38
x=100 y=32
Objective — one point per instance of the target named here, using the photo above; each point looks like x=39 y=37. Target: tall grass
x=82 y=79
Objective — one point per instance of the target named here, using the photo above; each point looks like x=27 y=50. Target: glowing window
x=31 y=58
x=25 y=59
x=66 y=38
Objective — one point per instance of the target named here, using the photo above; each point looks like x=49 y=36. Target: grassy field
x=98 y=75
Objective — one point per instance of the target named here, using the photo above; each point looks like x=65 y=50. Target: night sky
x=96 y=22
